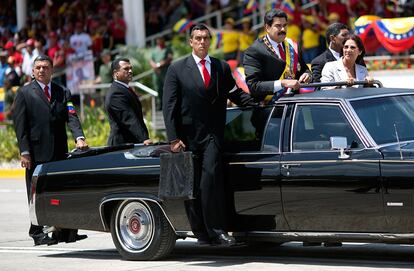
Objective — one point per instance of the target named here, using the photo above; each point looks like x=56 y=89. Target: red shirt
x=18 y=58
x=117 y=28
x=339 y=9
x=53 y=50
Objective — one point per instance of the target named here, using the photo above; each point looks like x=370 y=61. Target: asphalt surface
x=97 y=252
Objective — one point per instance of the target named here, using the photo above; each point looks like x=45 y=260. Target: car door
x=320 y=191
x=252 y=154
x=390 y=122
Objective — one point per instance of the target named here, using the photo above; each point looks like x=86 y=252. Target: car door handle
x=288 y=166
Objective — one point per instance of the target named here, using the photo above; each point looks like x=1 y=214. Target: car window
x=315 y=124
x=244 y=129
x=272 y=132
x=387 y=117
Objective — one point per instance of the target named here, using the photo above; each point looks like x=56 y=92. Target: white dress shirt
x=335 y=54
x=122 y=83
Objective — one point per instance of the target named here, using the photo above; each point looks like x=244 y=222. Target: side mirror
x=339 y=143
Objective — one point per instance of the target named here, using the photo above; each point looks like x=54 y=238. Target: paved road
x=98 y=253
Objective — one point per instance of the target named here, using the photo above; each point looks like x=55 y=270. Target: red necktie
x=206 y=75
x=281 y=52
x=46 y=90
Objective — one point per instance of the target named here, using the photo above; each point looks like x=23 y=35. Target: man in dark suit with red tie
x=124 y=108
x=42 y=111
x=273 y=64
x=336 y=34
x=196 y=90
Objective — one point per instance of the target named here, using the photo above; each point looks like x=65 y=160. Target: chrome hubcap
x=136 y=226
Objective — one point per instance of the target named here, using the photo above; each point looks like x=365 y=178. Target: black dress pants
x=207 y=212
x=63 y=235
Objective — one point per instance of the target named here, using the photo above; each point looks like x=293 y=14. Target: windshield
x=386 y=117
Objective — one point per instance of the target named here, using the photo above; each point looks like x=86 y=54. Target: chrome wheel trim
x=135 y=226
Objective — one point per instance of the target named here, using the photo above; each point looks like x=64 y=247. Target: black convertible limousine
x=327 y=166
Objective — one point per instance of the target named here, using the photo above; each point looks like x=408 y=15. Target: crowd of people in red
x=59 y=28
x=56 y=28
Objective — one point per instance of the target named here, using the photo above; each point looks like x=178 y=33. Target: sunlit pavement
x=97 y=252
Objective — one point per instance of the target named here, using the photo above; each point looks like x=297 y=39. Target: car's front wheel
x=140 y=231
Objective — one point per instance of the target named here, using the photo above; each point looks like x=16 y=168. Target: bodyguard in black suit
x=194 y=106
x=124 y=108
x=266 y=59
x=336 y=34
x=42 y=111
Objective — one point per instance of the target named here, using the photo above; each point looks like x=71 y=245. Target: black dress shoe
x=81 y=237
x=43 y=239
x=77 y=237
x=224 y=240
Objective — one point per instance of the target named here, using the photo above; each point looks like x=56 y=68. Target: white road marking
x=45 y=250
x=12 y=190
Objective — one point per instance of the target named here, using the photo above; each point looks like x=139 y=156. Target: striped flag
x=71 y=108
x=182 y=25
x=288 y=7
x=250 y=6
x=240 y=78
x=273 y=4
x=2 y=104
x=216 y=40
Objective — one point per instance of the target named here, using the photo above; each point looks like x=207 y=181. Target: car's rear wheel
x=140 y=231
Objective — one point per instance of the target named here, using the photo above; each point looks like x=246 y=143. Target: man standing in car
x=273 y=64
x=194 y=106
x=42 y=111
x=336 y=34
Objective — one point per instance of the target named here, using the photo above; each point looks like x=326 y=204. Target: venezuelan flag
x=71 y=108
x=396 y=35
x=2 y=104
x=240 y=78
x=251 y=5
x=272 y=4
x=182 y=25
x=216 y=40
x=288 y=6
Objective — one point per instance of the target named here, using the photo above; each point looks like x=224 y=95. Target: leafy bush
x=8 y=143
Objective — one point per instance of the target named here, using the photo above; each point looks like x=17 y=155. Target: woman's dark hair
x=274 y=13
x=199 y=27
x=360 y=46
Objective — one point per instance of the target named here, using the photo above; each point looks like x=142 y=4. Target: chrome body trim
x=400 y=238
x=395 y=204
x=314 y=161
x=101 y=214
x=32 y=196
x=99 y=169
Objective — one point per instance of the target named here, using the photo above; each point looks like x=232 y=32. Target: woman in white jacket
x=345 y=68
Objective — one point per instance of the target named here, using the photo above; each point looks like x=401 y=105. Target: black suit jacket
x=125 y=116
x=262 y=67
x=192 y=112
x=40 y=125
x=319 y=62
